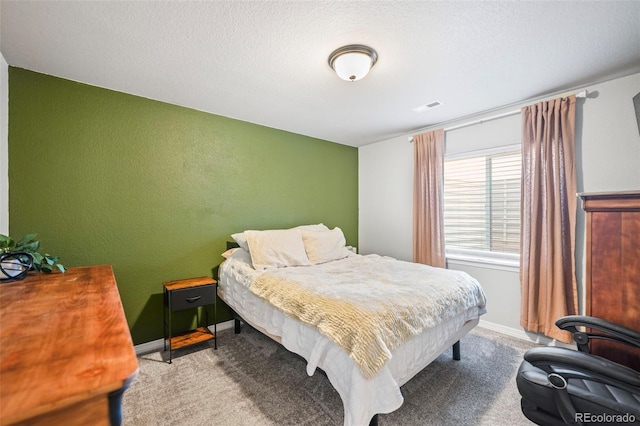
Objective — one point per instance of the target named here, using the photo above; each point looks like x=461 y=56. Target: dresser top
x=63 y=339
x=613 y=194
x=611 y=201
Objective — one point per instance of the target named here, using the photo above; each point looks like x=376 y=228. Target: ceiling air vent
x=430 y=105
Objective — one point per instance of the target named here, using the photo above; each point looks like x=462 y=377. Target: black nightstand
x=186 y=294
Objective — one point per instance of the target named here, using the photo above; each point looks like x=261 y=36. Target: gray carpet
x=251 y=380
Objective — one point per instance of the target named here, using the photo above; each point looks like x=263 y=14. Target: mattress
x=362 y=398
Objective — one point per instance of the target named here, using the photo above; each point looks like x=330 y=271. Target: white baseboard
x=524 y=335
x=158 y=344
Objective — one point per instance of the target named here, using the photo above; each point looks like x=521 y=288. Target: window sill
x=511 y=265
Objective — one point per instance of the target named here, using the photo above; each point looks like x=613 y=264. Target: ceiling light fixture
x=353 y=62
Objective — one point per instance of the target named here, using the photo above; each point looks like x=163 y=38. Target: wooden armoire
x=613 y=267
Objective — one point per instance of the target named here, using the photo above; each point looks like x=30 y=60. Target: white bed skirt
x=361 y=398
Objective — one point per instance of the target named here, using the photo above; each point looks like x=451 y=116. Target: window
x=482 y=205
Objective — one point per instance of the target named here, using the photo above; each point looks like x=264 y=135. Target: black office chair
x=561 y=386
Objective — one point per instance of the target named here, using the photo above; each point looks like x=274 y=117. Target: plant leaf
x=37 y=259
x=6 y=242
x=29 y=247
x=27 y=239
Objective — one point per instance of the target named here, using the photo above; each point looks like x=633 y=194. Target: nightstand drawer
x=192 y=297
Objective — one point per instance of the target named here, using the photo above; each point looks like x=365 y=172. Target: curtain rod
x=582 y=94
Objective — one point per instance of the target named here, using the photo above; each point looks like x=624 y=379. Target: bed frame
x=237 y=328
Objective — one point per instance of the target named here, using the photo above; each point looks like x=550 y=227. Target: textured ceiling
x=266 y=62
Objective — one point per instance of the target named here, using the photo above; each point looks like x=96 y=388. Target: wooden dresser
x=66 y=354
x=613 y=266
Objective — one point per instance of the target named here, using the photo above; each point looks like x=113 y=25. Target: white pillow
x=241 y=239
x=318 y=227
x=276 y=248
x=325 y=246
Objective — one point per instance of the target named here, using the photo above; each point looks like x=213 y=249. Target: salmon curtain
x=548 y=216
x=428 y=182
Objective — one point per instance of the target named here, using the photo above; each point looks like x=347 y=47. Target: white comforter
x=362 y=398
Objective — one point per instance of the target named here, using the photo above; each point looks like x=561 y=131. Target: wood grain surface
x=613 y=267
x=64 y=345
x=189 y=282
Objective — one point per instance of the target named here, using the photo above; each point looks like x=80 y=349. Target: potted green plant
x=18 y=258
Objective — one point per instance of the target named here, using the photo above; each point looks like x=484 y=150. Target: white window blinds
x=482 y=203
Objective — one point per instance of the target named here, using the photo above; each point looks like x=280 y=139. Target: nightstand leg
x=215 y=319
x=170 y=311
x=164 y=321
x=164 y=318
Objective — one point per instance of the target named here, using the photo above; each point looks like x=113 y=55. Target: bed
x=369 y=322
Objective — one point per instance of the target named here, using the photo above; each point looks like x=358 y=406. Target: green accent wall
x=156 y=190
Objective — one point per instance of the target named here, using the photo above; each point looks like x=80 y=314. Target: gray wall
x=608 y=154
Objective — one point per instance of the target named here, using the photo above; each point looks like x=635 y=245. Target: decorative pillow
x=276 y=248
x=318 y=227
x=241 y=239
x=325 y=246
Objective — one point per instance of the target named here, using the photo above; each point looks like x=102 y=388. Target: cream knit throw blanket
x=369 y=305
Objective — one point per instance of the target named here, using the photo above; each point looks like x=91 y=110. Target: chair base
x=539 y=416
x=589 y=399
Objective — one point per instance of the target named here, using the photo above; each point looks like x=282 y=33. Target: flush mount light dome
x=353 y=62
